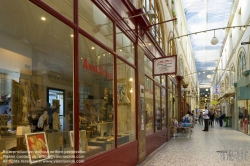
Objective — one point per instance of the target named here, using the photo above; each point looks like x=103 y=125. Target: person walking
x=216 y=116
x=200 y=119
x=222 y=116
x=206 y=119
x=211 y=117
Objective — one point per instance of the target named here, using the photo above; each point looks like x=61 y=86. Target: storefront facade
x=72 y=76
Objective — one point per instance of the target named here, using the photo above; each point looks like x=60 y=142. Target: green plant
x=172 y=1
x=173 y=13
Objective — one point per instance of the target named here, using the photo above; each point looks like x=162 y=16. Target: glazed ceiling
x=205 y=15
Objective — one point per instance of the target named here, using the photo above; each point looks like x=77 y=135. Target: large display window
x=96 y=97
x=36 y=84
x=126 y=103
x=50 y=67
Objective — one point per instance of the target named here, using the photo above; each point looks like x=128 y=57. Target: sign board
x=216 y=89
x=165 y=65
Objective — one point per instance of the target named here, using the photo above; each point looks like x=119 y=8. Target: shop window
x=36 y=83
x=149 y=120
x=65 y=7
x=148 y=65
x=126 y=103
x=96 y=98
x=163 y=81
x=151 y=5
x=157 y=79
x=163 y=115
x=124 y=46
x=157 y=108
x=243 y=115
x=95 y=22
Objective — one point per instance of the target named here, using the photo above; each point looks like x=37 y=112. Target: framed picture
x=37 y=147
x=122 y=94
x=82 y=139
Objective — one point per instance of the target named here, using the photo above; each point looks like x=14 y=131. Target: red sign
x=97 y=69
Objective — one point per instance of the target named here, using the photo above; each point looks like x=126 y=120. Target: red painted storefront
x=125 y=155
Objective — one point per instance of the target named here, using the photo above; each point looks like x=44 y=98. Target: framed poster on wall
x=37 y=147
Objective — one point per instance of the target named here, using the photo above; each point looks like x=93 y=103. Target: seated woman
x=187 y=118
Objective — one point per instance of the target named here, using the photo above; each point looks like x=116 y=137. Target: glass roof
x=206 y=15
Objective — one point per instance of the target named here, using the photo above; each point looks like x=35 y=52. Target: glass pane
x=64 y=7
x=124 y=46
x=171 y=115
x=163 y=80
x=163 y=97
x=148 y=66
x=126 y=103
x=36 y=77
x=149 y=106
x=157 y=108
x=96 y=97
x=95 y=22
x=157 y=79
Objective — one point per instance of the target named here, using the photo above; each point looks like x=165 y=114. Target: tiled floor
x=220 y=146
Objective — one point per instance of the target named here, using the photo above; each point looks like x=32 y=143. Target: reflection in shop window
x=96 y=97
x=149 y=120
x=36 y=55
x=95 y=22
x=126 y=103
x=157 y=108
x=163 y=95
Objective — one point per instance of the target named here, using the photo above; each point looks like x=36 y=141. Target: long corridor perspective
x=219 y=146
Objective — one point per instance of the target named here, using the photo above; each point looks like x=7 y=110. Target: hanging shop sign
x=165 y=65
x=216 y=89
x=98 y=69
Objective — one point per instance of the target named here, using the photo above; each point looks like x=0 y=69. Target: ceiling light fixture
x=43 y=18
x=214 y=40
